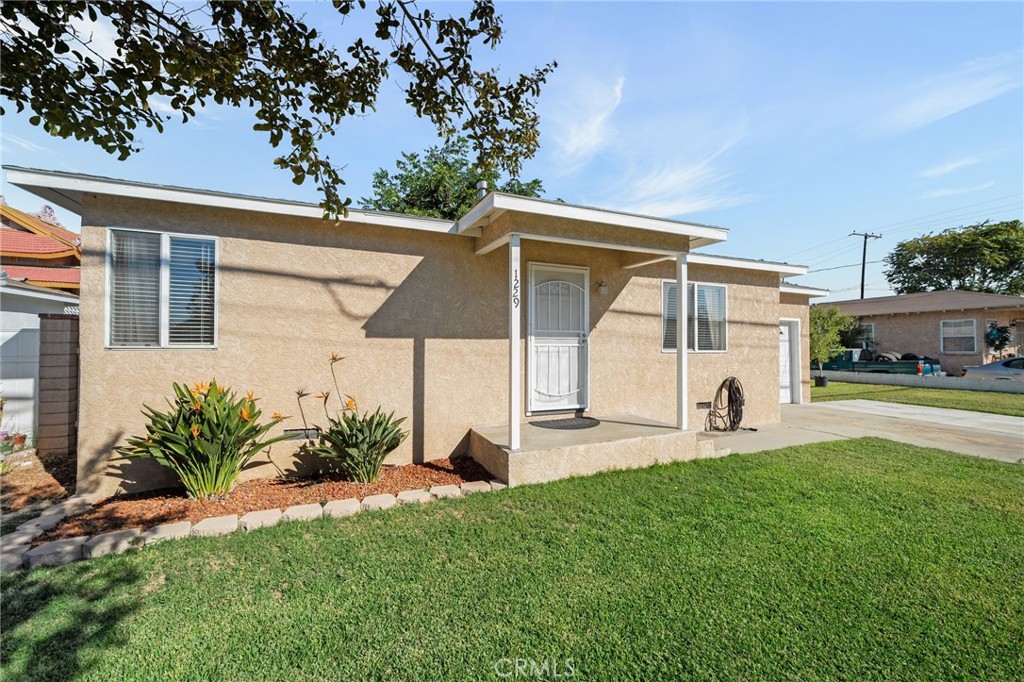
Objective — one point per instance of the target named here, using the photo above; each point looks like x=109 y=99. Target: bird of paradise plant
x=359 y=443
x=206 y=438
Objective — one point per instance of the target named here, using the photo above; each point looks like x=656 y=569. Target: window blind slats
x=706 y=313
x=138 y=311
x=135 y=289
x=191 y=296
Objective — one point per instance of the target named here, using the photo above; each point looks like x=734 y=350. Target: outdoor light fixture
x=602 y=287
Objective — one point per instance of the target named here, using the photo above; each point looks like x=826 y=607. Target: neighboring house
x=20 y=307
x=39 y=273
x=523 y=307
x=38 y=250
x=949 y=326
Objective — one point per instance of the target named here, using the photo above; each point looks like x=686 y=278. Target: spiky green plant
x=359 y=443
x=206 y=438
x=6 y=466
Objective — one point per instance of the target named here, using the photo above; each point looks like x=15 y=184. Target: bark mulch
x=145 y=510
x=34 y=480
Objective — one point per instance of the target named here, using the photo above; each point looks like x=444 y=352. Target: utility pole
x=864 y=255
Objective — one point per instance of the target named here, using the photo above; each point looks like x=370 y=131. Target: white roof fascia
x=743 y=264
x=61 y=296
x=66 y=189
x=803 y=291
x=493 y=202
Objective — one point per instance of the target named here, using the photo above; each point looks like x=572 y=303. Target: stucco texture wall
x=422 y=320
x=920 y=333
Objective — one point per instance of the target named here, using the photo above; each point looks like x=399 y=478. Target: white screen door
x=559 y=318
x=785 y=369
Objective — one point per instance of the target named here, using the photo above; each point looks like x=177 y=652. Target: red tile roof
x=37 y=225
x=15 y=242
x=37 y=274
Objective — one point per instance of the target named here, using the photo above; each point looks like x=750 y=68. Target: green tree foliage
x=441 y=183
x=828 y=325
x=983 y=257
x=259 y=55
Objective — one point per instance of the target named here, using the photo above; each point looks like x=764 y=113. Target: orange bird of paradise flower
x=244 y=413
x=201 y=387
x=336 y=358
x=350 y=403
x=195 y=430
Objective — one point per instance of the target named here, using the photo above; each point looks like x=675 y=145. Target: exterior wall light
x=602 y=287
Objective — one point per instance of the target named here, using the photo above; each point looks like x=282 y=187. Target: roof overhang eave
x=494 y=205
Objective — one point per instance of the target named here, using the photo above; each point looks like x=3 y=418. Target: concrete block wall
x=57 y=427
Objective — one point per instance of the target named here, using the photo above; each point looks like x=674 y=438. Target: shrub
x=359 y=444
x=207 y=437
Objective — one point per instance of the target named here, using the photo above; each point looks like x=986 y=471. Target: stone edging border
x=16 y=555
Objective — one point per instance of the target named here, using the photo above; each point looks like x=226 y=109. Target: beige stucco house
x=521 y=309
x=949 y=326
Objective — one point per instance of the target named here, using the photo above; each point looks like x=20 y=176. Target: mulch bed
x=34 y=480
x=145 y=510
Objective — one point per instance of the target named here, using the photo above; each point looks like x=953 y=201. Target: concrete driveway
x=971 y=433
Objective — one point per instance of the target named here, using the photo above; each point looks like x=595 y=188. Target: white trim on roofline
x=802 y=291
x=66 y=190
x=62 y=296
x=738 y=263
x=496 y=203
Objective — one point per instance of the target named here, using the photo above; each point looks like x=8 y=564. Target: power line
x=840 y=267
x=932 y=217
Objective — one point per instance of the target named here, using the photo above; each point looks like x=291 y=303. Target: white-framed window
x=706 y=307
x=161 y=290
x=866 y=331
x=959 y=336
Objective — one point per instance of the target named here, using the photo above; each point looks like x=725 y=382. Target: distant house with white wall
x=39 y=274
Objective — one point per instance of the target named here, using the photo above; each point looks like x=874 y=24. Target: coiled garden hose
x=727 y=410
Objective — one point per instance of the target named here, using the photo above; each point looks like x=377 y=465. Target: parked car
x=1007 y=368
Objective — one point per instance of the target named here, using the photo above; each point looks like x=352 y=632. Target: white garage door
x=19 y=374
x=785 y=369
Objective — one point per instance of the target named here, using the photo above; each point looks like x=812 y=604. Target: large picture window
x=706 y=307
x=959 y=336
x=162 y=290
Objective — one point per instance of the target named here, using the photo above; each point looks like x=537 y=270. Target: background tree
x=982 y=257
x=257 y=54
x=440 y=183
x=828 y=324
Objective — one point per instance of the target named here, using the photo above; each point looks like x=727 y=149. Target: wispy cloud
x=27 y=145
x=954 y=191
x=945 y=168
x=946 y=94
x=681 y=188
x=581 y=123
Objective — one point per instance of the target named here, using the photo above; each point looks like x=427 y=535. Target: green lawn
x=858 y=559
x=978 y=401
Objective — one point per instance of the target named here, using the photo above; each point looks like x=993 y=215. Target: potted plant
x=828 y=323
x=19 y=439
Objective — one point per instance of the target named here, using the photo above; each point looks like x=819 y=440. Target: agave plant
x=206 y=438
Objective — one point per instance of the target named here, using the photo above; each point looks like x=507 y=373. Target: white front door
x=785 y=368
x=559 y=319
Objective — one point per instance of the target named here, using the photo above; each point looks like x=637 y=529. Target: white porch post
x=514 y=300
x=682 y=320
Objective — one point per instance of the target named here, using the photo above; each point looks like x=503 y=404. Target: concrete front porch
x=618 y=442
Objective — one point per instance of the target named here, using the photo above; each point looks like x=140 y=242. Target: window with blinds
x=162 y=290
x=706 y=308
x=958 y=336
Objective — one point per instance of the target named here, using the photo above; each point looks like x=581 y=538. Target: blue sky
x=790 y=124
